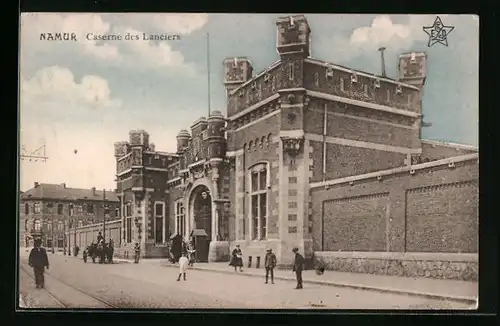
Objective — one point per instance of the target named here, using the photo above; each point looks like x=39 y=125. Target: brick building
x=311 y=155
x=50 y=210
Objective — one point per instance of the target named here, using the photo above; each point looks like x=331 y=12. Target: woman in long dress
x=237 y=258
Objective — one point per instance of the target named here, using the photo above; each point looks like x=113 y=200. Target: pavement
x=150 y=284
x=459 y=291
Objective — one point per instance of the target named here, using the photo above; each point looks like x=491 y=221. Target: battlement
x=139 y=138
x=293 y=35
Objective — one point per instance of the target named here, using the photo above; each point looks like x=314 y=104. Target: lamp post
x=106 y=212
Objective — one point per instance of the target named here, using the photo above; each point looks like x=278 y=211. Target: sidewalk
x=461 y=291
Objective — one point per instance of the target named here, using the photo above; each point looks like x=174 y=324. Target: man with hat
x=298 y=266
x=38 y=260
x=270 y=264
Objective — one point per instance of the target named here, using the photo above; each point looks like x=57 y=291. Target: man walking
x=38 y=260
x=137 y=253
x=270 y=264
x=183 y=266
x=298 y=267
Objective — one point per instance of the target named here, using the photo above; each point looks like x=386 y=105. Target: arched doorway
x=201 y=210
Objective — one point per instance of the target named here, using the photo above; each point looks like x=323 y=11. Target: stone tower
x=216 y=135
x=413 y=68
x=183 y=139
x=237 y=71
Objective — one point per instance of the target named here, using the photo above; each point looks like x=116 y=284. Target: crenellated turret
x=122 y=148
x=139 y=138
x=413 y=68
x=216 y=135
x=183 y=140
x=237 y=71
x=293 y=35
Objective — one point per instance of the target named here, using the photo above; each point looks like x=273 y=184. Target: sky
x=79 y=97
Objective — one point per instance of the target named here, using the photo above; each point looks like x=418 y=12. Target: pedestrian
x=298 y=267
x=237 y=258
x=137 y=253
x=270 y=264
x=183 y=266
x=191 y=253
x=99 y=237
x=39 y=261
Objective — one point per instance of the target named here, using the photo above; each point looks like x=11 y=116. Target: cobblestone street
x=148 y=285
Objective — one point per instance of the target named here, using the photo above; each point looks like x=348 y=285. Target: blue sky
x=85 y=95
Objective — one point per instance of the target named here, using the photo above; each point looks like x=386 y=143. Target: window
x=291 y=71
x=316 y=79
x=90 y=208
x=180 y=222
x=128 y=230
x=71 y=210
x=128 y=209
x=59 y=209
x=49 y=226
x=60 y=226
x=26 y=208
x=388 y=95
x=341 y=84
x=26 y=225
x=80 y=224
x=37 y=208
x=258 y=200
x=159 y=221
x=38 y=225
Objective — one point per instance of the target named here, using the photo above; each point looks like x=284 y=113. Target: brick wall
x=355 y=223
x=315 y=79
x=257 y=131
x=405 y=229
x=343 y=161
x=433 y=151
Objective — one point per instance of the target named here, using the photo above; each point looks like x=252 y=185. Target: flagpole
x=208 y=71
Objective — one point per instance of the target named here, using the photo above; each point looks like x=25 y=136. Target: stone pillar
x=218 y=250
x=239 y=195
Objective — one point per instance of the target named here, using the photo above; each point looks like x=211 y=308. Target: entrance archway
x=200 y=204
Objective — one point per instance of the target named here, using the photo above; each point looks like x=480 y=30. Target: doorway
x=202 y=216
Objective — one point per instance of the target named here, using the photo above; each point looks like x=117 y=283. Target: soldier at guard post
x=39 y=261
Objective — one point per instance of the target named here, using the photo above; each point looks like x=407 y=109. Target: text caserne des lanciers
x=132 y=37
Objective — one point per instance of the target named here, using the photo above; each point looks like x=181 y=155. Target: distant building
x=48 y=210
x=311 y=155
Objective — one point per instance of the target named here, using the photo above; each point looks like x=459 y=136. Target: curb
x=115 y=261
x=466 y=300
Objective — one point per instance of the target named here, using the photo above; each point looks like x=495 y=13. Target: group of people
x=103 y=251
x=270 y=263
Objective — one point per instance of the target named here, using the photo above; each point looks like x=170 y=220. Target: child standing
x=183 y=266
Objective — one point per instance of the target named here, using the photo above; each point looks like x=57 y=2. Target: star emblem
x=438 y=32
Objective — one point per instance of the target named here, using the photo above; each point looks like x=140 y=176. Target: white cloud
x=57 y=85
x=138 y=54
x=80 y=24
x=93 y=165
x=381 y=31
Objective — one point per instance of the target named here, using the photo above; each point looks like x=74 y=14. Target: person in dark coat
x=99 y=237
x=298 y=267
x=39 y=261
x=177 y=247
x=270 y=263
x=237 y=258
x=137 y=251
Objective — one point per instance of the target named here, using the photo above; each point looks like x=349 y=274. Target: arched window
x=258 y=192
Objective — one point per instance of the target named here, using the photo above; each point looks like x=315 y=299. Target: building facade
x=50 y=210
x=311 y=155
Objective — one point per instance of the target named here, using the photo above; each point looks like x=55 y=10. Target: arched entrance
x=201 y=230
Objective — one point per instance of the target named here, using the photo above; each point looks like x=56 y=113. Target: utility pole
x=208 y=72
x=106 y=211
x=38 y=154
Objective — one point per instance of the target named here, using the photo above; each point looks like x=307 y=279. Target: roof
x=59 y=191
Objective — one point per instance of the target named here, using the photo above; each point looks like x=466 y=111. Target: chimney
x=63 y=185
x=93 y=191
x=36 y=184
x=382 y=49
